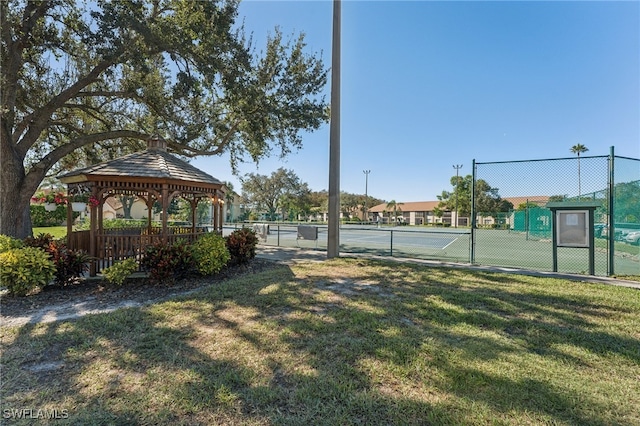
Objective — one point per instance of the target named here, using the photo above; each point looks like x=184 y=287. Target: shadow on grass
x=389 y=345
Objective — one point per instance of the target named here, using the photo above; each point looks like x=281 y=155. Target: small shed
x=152 y=175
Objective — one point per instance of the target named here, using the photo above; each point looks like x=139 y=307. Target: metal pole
x=592 y=249
x=366 y=193
x=554 y=241
x=457 y=167
x=610 y=220
x=472 y=256
x=333 y=231
x=526 y=220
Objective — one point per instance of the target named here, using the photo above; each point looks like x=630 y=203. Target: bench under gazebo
x=153 y=176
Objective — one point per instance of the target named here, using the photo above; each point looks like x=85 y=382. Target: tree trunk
x=15 y=194
x=127 y=204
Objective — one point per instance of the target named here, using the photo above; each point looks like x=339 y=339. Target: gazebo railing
x=79 y=240
x=113 y=245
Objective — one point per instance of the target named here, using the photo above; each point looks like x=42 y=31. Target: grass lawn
x=346 y=341
x=56 y=231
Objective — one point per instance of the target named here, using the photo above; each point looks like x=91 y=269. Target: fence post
x=526 y=220
x=391 y=243
x=278 y=236
x=610 y=220
x=473 y=212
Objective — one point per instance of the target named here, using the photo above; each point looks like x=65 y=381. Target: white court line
x=453 y=241
x=352 y=238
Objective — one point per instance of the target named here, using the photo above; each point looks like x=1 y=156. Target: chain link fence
x=519 y=237
x=446 y=244
x=523 y=237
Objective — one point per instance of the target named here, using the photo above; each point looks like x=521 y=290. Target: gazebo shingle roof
x=151 y=163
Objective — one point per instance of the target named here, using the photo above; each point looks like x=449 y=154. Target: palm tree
x=395 y=206
x=578 y=149
x=229 y=198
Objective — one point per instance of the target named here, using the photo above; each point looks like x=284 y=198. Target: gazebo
x=152 y=175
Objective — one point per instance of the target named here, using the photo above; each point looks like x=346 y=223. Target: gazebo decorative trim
x=151 y=175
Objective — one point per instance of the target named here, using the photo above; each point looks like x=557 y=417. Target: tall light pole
x=457 y=167
x=366 y=193
x=333 y=228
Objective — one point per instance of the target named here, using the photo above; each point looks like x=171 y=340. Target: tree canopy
x=488 y=201
x=460 y=198
x=356 y=204
x=283 y=189
x=84 y=82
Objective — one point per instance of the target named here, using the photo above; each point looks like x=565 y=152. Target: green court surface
x=492 y=247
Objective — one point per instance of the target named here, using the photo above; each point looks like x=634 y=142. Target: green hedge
x=41 y=217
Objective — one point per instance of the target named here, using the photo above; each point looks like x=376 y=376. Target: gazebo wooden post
x=100 y=216
x=165 y=209
x=70 y=225
x=93 y=219
x=100 y=229
x=194 y=207
x=149 y=201
x=221 y=214
x=216 y=213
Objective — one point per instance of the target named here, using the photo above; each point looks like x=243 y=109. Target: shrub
x=242 y=245
x=23 y=270
x=210 y=254
x=8 y=243
x=165 y=262
x=41 y=240
x=120 y=271
x=70 y=264
x=41 y=217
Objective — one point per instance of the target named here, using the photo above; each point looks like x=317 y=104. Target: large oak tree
x=83 y=82
x=283 y=189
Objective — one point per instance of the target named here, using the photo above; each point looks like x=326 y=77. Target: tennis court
x=492 y=247
x=388 y=241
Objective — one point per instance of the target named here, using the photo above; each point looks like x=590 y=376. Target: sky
x=426 y=86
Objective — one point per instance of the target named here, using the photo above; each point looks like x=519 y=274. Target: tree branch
x=57 y=154
x=40 y=120
x=14 y=48
x=107 y=93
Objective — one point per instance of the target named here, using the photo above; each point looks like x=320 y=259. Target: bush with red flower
x=93 y=201
x=85 y=198
x=58 y=198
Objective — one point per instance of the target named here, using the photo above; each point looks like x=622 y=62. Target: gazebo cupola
x=152 y=175
x=156 y=142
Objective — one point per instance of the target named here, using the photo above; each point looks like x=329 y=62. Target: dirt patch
x=96 y=296
x=349 y=287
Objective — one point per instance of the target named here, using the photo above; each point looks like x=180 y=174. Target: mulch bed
x=100 y=292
